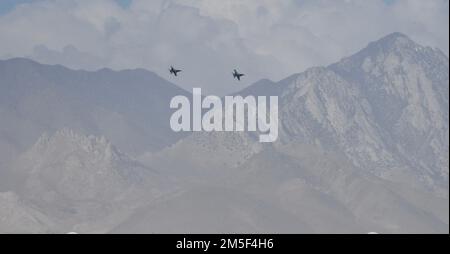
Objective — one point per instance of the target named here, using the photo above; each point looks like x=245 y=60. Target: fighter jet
x=237 y=75
x=174 y=71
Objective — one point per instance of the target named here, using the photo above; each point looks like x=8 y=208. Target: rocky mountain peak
x=67 y=141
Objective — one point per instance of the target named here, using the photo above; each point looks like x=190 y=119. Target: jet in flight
x=237 y=75
x=174 y=71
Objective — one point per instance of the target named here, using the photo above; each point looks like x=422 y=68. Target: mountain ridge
x=124 y=106
x=404 y=95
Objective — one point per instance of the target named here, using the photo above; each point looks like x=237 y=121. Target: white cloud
x=208 y=38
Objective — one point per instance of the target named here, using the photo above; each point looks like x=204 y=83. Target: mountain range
x=363 y=146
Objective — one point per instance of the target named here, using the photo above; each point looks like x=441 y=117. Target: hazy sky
x=209 y=38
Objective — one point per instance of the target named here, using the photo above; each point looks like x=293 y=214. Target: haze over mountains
x=363 y=146
x=128 y=106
